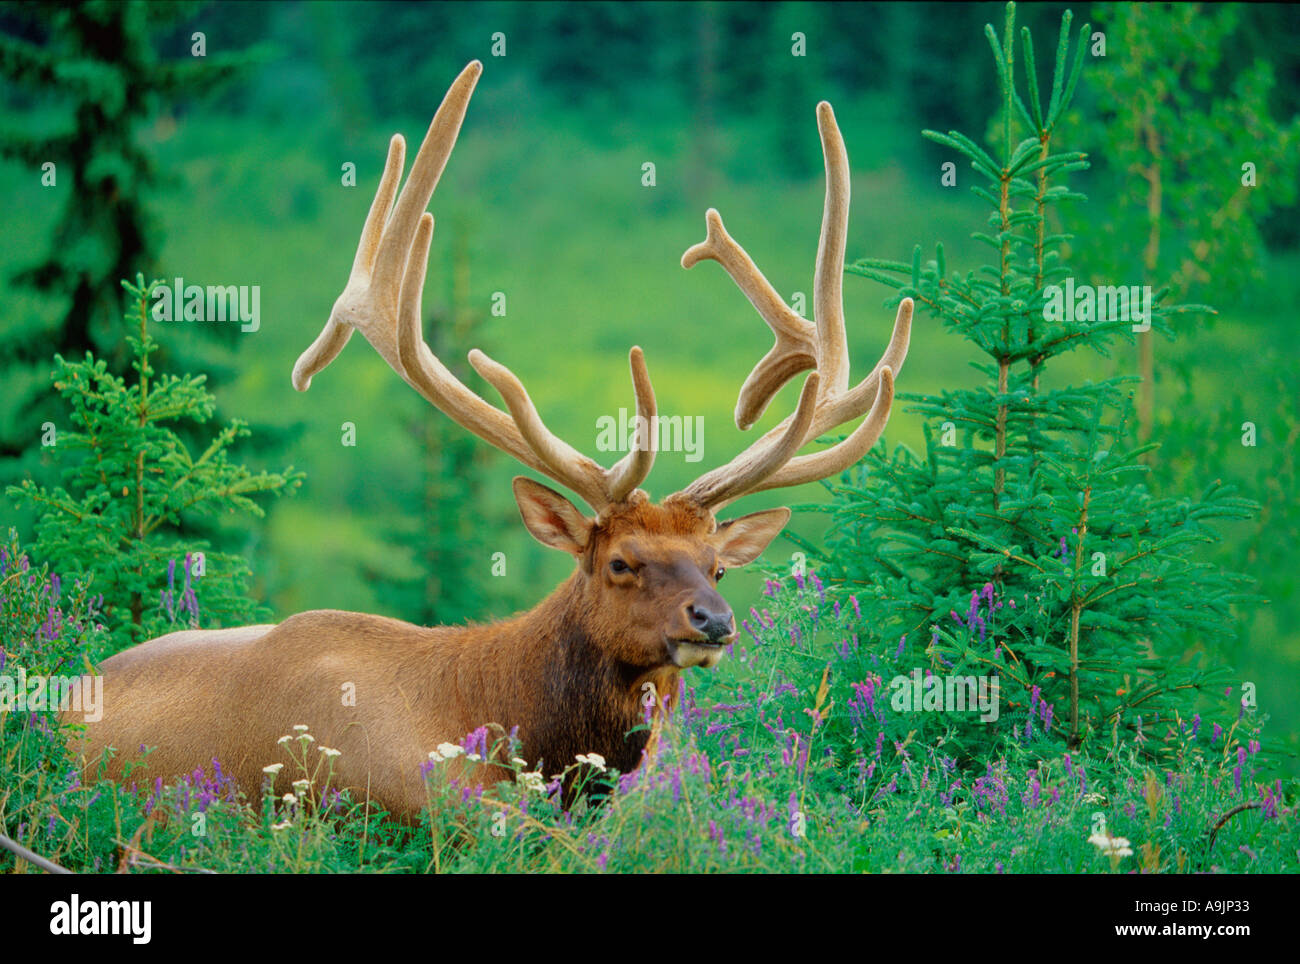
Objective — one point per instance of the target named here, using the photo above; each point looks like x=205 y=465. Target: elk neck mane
x=556 y=670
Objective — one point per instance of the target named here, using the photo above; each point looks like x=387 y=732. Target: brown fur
x=569 y=673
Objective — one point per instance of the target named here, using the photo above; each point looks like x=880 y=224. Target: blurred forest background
x=228 y=168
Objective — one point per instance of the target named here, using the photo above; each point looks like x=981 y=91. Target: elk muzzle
x=704 y=626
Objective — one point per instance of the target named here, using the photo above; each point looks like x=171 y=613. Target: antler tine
x=372 y=232
x=796 y=340
x=382 y=301
x=337 y=331
x=822 y=345
x=832 y=461
x=369 y=301
x=857 y=399
x=430 y=161
x=758 y=462
x=828 y=278
x=426 y=373
x=631 y=470
x=562 y=462
x=521 y=434
x=599 y=487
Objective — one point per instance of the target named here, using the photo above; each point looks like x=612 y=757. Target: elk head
x=645 y=584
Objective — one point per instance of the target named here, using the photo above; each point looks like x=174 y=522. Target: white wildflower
x=284 y=825
x=300 y=727
x=302 y=786
x=532 y=780
x=283 y=740
x=273 y=769
x=594 y=759
x=329 y=751
x=450 y=750
x=1111 y=846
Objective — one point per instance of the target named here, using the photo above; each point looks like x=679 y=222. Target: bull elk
x=641 y=605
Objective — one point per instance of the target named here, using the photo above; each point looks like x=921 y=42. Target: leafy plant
x=46 y=624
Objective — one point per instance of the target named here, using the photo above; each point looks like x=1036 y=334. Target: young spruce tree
x=130 y=485
x=1024 y=542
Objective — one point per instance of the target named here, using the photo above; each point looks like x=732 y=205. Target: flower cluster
x=184 y=610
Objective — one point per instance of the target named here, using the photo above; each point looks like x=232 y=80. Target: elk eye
x=717 y=576
x=618 y=566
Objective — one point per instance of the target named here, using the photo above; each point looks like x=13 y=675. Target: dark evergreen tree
x=97 y=67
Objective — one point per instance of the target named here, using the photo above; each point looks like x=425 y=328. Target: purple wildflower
x=1033 y=794
x=1270 y=802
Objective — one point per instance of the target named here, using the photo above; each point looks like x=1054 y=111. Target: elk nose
x=711 y=623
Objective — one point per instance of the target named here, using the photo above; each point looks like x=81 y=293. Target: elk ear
x=740 y=541
x=551 y=518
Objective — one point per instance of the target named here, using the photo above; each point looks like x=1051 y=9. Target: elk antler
x=382 y=301
x=826 y=400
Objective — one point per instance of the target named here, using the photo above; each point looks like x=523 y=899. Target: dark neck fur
x=588 y=704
